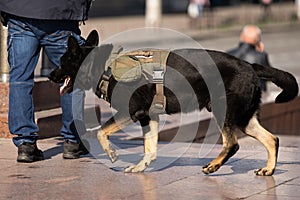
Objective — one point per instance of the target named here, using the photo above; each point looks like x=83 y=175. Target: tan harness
x=130 y=66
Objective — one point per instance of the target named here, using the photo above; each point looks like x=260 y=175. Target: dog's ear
x=73 y=45
x=92 y=39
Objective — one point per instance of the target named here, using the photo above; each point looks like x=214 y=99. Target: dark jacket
x=47 y=9
x=248 y=53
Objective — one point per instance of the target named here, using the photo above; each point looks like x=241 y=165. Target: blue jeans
x=25 y=39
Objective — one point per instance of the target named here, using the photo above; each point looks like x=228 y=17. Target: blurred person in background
x=266 y=4
x=251 y=49
x=195 y=10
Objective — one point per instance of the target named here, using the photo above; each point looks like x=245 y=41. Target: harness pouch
x=129 y=67
x=126 y=68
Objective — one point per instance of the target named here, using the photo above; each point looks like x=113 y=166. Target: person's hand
x=260 y=47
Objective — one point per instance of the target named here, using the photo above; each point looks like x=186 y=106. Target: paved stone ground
x=180 y=178
x=179 y=175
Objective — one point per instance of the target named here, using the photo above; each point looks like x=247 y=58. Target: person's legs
x=55 y=45
x=23 y=54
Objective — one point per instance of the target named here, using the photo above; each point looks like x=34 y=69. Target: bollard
x=298 y=8
x=4 y=67
x=153 y=13
x=47 y=65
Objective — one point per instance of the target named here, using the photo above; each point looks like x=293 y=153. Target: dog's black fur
x=240 y=79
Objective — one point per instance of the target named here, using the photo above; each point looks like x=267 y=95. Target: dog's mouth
x=66 y=87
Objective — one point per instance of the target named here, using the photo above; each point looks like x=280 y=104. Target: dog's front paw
x=142 y=165
x=210 y=168
x=135 y=169
x=107 y=147
x=264 y=172
x=112 y=153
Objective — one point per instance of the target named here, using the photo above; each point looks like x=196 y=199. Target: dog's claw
x=133 y=169
x=129 y=169
x=112 y=153
x=142 y=165
x=264 y=172
x=113 y=156
x=136 y=168
x=210 y=168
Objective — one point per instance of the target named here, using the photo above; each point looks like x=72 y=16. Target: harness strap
x=102 y=89
x=158 y=105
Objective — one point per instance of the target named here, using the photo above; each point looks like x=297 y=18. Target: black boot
x=73 y=150
x=28 y=153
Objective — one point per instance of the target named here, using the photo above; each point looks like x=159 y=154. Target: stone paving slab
x=90 y=178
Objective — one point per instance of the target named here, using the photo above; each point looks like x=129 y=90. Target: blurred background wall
x=103 y=8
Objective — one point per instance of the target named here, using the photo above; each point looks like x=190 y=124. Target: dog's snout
x=56 y=75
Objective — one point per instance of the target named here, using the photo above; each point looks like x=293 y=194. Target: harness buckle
x=158 y=75
x=102 y=86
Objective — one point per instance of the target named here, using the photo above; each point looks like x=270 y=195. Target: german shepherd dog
x=242 y=92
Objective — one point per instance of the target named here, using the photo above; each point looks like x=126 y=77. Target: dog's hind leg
x=270 y=142
x=114 y=124
x=150 y=131
x=230 y=147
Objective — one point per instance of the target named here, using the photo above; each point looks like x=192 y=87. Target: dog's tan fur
x=230 y=147
x=110 y=127
x=150 y=141
x=270 y=142
x=230 y=144
x=150 y=147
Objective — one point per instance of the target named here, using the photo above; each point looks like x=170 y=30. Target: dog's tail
x=286 y=81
